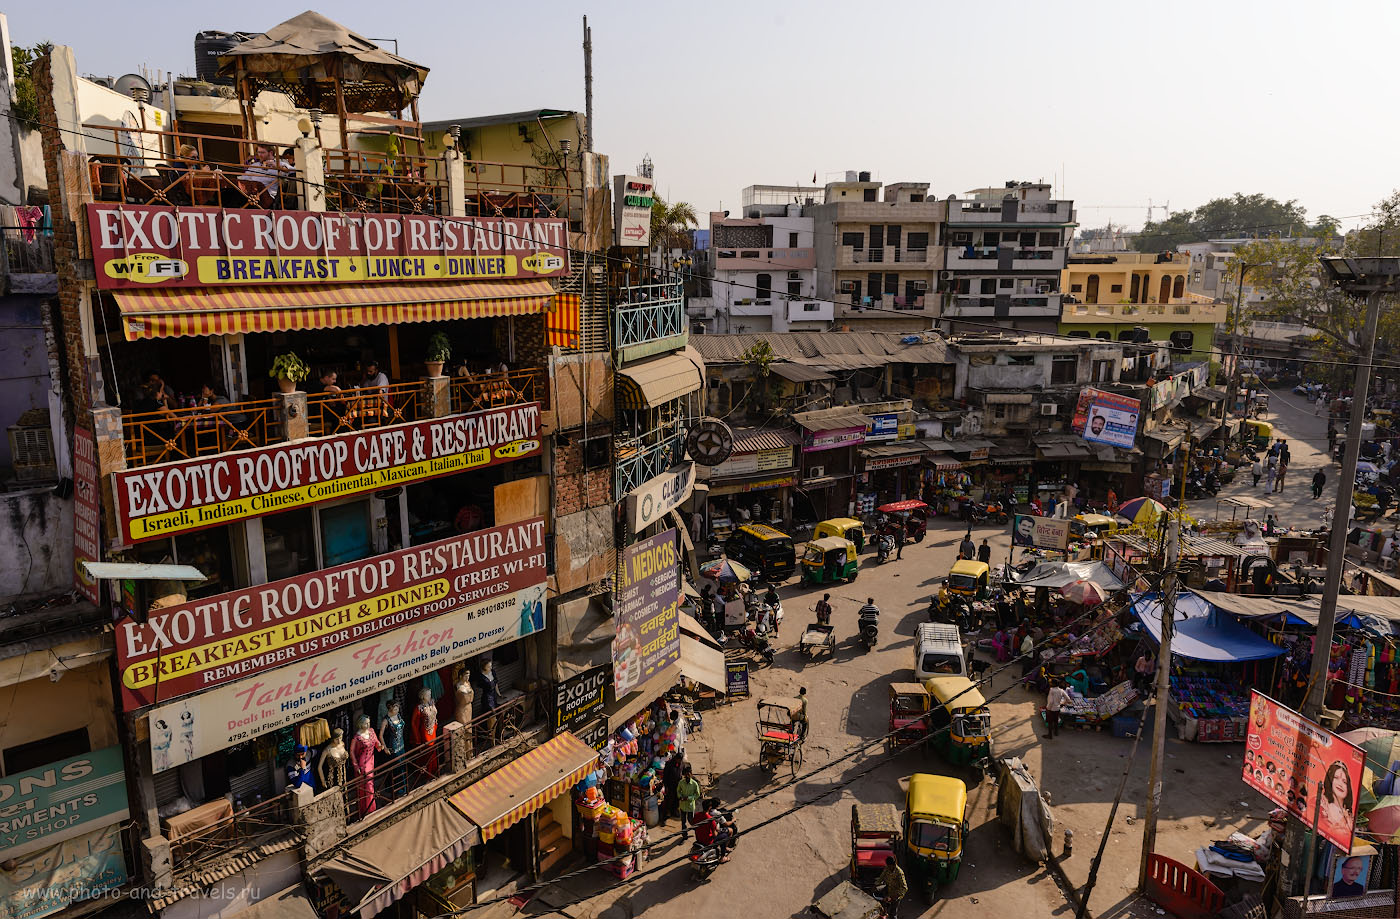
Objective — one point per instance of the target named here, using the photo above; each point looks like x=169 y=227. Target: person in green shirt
x=689 y=793
x=892 y=879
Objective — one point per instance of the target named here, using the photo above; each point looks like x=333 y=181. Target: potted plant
x=288 y=370
x=439 y=352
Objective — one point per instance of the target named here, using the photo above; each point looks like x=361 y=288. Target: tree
x=1240 y=215
x=1382 y=235
x=26 y=104
x=759 y=358
x=669 y=223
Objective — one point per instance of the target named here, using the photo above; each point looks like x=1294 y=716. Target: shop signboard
x=139 y=246
x=580 y=697
x=594 y=734
x=754 y=463
x=646 y=612
x=736 y=678
x=632 y=199
x=1040 y=532
x=658 y=496
x=1107 y=418
x=44 y=806
x=978 y=453
x=55 y=877
x=830 y=440
x=892 y=462
x=230 y=637
x=155 y=502
x=481 y=618
x=884 y=426
x=1296 y=763
x=87 y=515
x=770 y=460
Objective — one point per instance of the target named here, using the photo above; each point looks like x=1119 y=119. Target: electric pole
x=587 y=87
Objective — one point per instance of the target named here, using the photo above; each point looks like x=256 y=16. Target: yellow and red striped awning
x=523 y=786
x=561 y=324
x=197 y=311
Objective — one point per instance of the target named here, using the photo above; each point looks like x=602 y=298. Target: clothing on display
x=313 y=732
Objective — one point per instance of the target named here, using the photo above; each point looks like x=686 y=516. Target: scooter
x=758 y=644
x=884 y=548
x=705 y=859
x=869 y=630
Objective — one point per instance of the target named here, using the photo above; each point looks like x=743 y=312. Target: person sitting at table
x=264 y=171
x=375 y=378
x=159 y=390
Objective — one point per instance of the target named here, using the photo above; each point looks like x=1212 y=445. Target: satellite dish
x=129 y=81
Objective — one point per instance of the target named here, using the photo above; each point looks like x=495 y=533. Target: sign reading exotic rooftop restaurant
x=138 y=246
x=225 y=638
x=359 y=629
x=158 y=501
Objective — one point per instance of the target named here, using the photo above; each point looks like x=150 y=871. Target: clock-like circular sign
x=710 y=442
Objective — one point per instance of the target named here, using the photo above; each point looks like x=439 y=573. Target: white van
x=938 y=651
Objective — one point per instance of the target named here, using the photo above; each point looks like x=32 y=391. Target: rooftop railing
x=648 y=312
x=166 y=435
x=349 y=410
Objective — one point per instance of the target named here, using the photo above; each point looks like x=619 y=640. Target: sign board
x=753 y=463
x=735 y=612
x=632 y=199
x=884 y=426
x=873 y=463
x=736 y=678
x=830 y=440
x=44 y=806
x=658 y=496
x=153 y=502
x=234 y=636
x=579 y=698
x=1291 y=761
x=1041 y=532
x=138 y=246
x=646 y=612
x=1107 y=418
x=87 y=515
x=51 y=879
x=594 y=734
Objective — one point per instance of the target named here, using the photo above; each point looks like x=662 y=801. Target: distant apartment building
x=1004 y=251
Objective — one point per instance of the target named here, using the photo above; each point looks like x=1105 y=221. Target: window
x=1064 y=368
x=854 y=240
x=961 y=239
x=989 y=285
x=918 y=241
x=892 y=234
x=870 y=194
x=1137 y=284
x=848 y=286
x=999 y=410
x=1104 y=336
x=1049 y=239
x=991 y=239
x=1183 y=340
x=38 y=753
x=1006 y=283
x=764 y=282
x=792 y=240
x=1196 y=275
x=811 y=307
x=346 y=533
x=892 y=284
x=1179 y=286
x=1115 y=288
x=1103 y=371
x=875 y=280
x=1026 y=239
x=1020 y=360
x=794 y=288
x=1076 y=288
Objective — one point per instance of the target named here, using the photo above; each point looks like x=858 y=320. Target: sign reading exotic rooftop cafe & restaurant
x=142 y=246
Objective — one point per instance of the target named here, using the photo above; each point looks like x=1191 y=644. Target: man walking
x=1054 y=701
x=1282 y=471
x=984 y=552
x=899 y=537
x=688 y=796
x=823 y=610
x=1270 y=472
x=893 y=881
x=967 y=549
x=1319 y=480
x=1258 y=471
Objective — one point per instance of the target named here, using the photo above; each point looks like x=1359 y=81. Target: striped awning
x=198 y=311
x=659 y=380
x=523 y=786
x=561 y=323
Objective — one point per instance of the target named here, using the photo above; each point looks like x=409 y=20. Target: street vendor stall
x=1213 y=558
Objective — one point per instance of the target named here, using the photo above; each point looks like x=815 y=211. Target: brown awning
x=525 y=784
x=660 y=380
x=386 y=866
x=831 y=419
x=798 y=373
x=702 y=663
x=622 y=710
x=291 y=903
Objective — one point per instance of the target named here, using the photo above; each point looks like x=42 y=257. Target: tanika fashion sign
x=138 y=246
x=157 y=501
x=224 y=638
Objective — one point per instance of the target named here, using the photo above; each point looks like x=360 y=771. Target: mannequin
x=331 y=766
x=362 y=749
x=391 y=734
x=299 y=769
x=490 y=699
x=463 y=702
x=425 y=727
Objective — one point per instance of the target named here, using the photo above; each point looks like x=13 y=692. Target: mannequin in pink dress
x=425 y=728
x=362 y=750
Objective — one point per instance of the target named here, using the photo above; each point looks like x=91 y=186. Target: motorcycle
x=757 y=644
x=869 y=630
x=990 y=512
x=705 y=859
x=955 y=612
x=884 y=548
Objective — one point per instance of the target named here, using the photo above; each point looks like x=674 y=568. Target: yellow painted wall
x=41 y=708
x=1122 y=274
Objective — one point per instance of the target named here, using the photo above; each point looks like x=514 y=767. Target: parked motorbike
x=758 y=645
x=884 y=548
x=991 y=512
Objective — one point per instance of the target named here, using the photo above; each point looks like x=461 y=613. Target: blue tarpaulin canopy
x=1203 y=633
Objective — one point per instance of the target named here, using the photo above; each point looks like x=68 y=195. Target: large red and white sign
x=137 y=246
x=87 y=515
x=158 y=501
x=1301 y=766
x=232 y=636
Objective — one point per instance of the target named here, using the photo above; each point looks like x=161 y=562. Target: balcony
x=1022 y=212
x=167 y=435
x=1023 y=305
x=649 y=319
x=350 y=410
x=26 y=260
x=476 y=392
x=648 y=456
x=764 y=259
x=1144 y=312
x=1005 y=258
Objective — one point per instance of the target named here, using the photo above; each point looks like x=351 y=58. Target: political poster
x=647 y=612
x=1107 y=418
x=1302 y=767
x=1040 y=532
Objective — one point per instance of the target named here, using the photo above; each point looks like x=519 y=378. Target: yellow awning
x=526 y=784
x=197 y=311
x=660 y=380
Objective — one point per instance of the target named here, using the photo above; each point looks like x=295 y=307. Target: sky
x=1116 y=104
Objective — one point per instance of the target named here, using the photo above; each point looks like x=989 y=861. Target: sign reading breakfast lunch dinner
x=157 y=501
x=137 y=246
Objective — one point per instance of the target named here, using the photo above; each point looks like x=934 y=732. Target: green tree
x=26 y=104
x=1381 y=235
x=1239 y=215
x=669 y=223
x=759 y=358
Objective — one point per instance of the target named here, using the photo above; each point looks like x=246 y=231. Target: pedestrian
x=1054 y=701
x=895 y=886
x=1111 y=502
x=1284 y=456
x=1027 y=651
x=688 y=798
x=967 y=548
x=1319 y=480
x=671 y=776
x=899 y=537
x=823 y=610
x=707 y=608
x=984 y=552
x=1282 y=471
x=1144 y=668
x=1258 y=471
x=1331 y=438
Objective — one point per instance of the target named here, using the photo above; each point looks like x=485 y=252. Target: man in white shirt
x=1054 y=701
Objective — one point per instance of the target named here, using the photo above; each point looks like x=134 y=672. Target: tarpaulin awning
x=692 y=627
x=524 y=785
x=943 y=461
x=386 y=866
x=798 y=373
x=585 y=632
x=622 y=710
x=831 y=419
x=702 y=663
x=1378 y=614
x=1203 y=633
x=1055 y=575
x=291 y=903
x=177 y=312
x=655 y=382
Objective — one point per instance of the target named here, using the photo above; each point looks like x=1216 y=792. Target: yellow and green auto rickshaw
x=969 y=580
x=829 y=560
x=961 y=721
x=1260 y=433
x=935 y=823
x=842 y=528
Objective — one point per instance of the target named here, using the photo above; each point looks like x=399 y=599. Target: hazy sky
x=1117 y=103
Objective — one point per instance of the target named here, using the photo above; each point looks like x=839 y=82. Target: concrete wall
x=21 y=151
x=24 y=380
x=82 y=698
x=98 y=105
x=36 y=542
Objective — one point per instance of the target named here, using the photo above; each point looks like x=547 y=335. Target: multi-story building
x=1005 y=249
x=346 y=441
x=1135 y=296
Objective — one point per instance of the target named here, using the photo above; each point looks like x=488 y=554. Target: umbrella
x=725 y=571
x=1140 y=510
x=1084 y=593
x=1383 y=820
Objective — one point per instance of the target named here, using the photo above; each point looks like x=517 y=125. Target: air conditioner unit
x=1049 y=408
x=815 y=472
x=921 y=285
x=848 y=287
x=945 y=275
x=794 y=275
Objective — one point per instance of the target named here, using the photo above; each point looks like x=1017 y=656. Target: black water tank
x=865 y=177
x=207 y=48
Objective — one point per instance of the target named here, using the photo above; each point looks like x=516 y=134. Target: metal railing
x=183 y=433
x=26 y=250
x=244 y=829
x=911 y=255
x=356 y=409
x=648 y=312
x=642 y=458
x=365 y=181
x=474 y=392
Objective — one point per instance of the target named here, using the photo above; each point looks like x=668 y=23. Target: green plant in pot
x=439 y=353
x=288 y=370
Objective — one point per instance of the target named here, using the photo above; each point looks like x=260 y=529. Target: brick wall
x=575 y=489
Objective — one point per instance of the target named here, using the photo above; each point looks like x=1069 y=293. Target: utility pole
x=1234 y=383
x=587 y=87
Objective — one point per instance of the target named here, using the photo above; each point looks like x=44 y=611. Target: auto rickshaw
x=961 y=721
x=935 y=823
x=829 y=560
x=1099 y=523
x=844 y=528
x=913 y=514
x=1261 y=433
x=909 y=718
x=969 y=580
x=875 y=836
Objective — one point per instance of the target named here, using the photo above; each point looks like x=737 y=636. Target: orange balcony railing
x=367 y=407
x=474 y=392
x=166 y=435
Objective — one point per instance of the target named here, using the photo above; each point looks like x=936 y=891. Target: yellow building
x=1108 y=294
